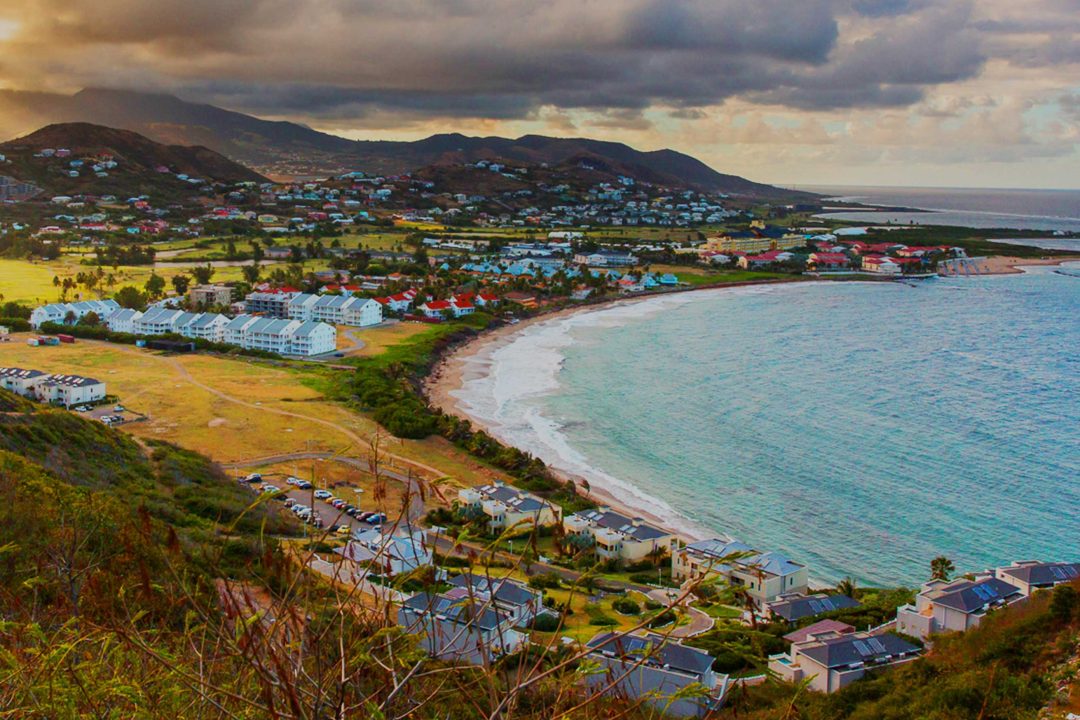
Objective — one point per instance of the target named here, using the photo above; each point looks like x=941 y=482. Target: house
x=793 y=607
x=273 y=303
x=827 y=261
x=655 y=670
x=765 y=576
x=206 y=326
x=617 y=537
x=335 y=309
x=454 y=627
x=436 y=308
x=20 y=381
x=880 y=264
x=830 y=661
x=210 y=295
x=524 y=299
x=1031 y=575
x=400 y=302
x=771 y=257
x=68 y=390
x=516 y=599
x=606 y=258
x=957 y=605
x=63 y=312
x=508 y=507
x=388 y=554
x=157 y=321
x=123 y=320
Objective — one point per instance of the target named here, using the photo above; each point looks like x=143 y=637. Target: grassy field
x=706 y=276
x=235 y=410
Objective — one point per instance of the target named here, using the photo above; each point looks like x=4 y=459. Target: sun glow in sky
x=882 y=92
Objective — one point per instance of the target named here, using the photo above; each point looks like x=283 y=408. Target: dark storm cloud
x=505 y=59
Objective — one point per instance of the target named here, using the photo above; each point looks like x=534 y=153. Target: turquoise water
x=862 y=428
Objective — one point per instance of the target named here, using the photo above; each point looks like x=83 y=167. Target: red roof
x=461 y=304
x=437 y=305
x=817 y=628
x=829 y=257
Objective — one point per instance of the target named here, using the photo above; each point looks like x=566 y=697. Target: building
x=819 y=628
x=793 y=607
x=830 y=661
x=516 y=599
x=61 y=313
x=606 y=258
x=661 y=672
x=827 y=261
x=335 y=309
x=957 y=605
x=389 y=555
x=270 y=303
x=20 y=381
x=285 y=337
x=765 y=576
x=123 y=320
x=210 y=295
x=1031 y=575
x=508 y=507
x=68 y=390
x=880 y=265
x=617 y=537
x=454 y=627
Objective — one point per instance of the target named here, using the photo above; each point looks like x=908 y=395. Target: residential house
x=516 y=599
x=388 y=554
x=793 y=607
x=819 y=628
x=617 y=537
x=827 y=261
x=123 y=320
x=68 y=390
x=508 y=507
x=656 y=670
x=880 y=264
x=750 y=262
x=765 y=576
x=1031 y=575
x=606 y=258
x=274 y=303
x=830 y=661
x=335 y=309
x=455 y=627
x=956 y=605
x=20 y=381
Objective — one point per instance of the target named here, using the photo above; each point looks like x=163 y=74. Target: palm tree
x=846 y=587
x=941 y=568
x=251 y=273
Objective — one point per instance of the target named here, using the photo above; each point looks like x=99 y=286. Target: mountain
x=287 y=148
x=143 y=166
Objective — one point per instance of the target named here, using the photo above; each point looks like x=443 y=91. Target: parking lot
x=107 y=410
x=330 y=515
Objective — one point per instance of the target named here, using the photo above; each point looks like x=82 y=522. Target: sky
x=863 y=92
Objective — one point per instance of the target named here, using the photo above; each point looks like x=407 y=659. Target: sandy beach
x=454 y=370
x=1007 y=265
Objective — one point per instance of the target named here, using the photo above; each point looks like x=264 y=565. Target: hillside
x=293 y=149
x=142 y=166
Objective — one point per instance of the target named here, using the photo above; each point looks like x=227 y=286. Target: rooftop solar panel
x=876 y=645
x=862 y=648
x=1070 y=570
x=1058 y=572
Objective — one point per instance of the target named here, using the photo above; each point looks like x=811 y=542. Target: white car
x=323 y=494
x=269 y=488
x=293 y=480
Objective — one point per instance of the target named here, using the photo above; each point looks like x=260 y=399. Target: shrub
x=546 y=622
x=545 y=581
x=626 y=606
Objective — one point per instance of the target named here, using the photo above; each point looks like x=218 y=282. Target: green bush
x=626 y=606
x=546 y=622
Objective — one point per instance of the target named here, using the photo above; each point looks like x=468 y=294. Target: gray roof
x=1044 y=574
x=11 y=372
x=620 y=523
x=970 y=597
x=502 y=589
x=307 y=328
x=854 y=649
x=461 y=611
x=72 y=380
x=796 y=607
x=653 y=650
x=517 y=499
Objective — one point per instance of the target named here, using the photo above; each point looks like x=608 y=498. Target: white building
x=61 y=312
x=508 y=507
x=123 y=320
x=1032 y=575
x=617 y=537
x=20 y=381
x=765 y=576
x=68 y=390
x=956 y=606
x=285 y=337
x=388 y=555
x=454 y=627
x=833 y=660
x=515 y=599
x=336 y=309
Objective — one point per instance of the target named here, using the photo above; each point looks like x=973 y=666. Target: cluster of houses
x=56 y=388
x=333 y=308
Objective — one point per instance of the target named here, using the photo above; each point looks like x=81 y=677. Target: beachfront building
x=123 y=320
x=507 y=507
x=453 y=626
x=335 y=309
x=619 y=538
x=655 y=670
x=830 y=661
x=1032 y=575
x=19 y=380
x=61 y=313
x=270 y=303
x=957 y=605
x=764 y=575
x=792 y=607
x=203 y=296
x=606 y=258
x=68 y=390
x=520 y=603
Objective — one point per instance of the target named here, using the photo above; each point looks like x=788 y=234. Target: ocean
x=1044 y=210
x=861 y=428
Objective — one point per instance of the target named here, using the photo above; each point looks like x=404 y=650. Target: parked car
x=253 y=477
x=118 y=408
x=338 y=503
x=304 y=485
x=81 y=408
x=344 y=530
x=376 y=519
x=289 y=502
x=268 y=488
x=323 y=494
x=364 y=516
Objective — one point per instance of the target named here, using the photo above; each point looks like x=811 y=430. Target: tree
x=180 y=283
x=131 y=297
x=941 y=568
x=1063 y=604
x=155 y=285
x=90 y=319
x=251 y=272
x=846 y=587
x=202 y=273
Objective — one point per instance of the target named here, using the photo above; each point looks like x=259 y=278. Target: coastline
x=1011 y=265
x=457 y=368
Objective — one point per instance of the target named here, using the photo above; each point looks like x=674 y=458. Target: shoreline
x=1012 y=265
x=454 y=369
